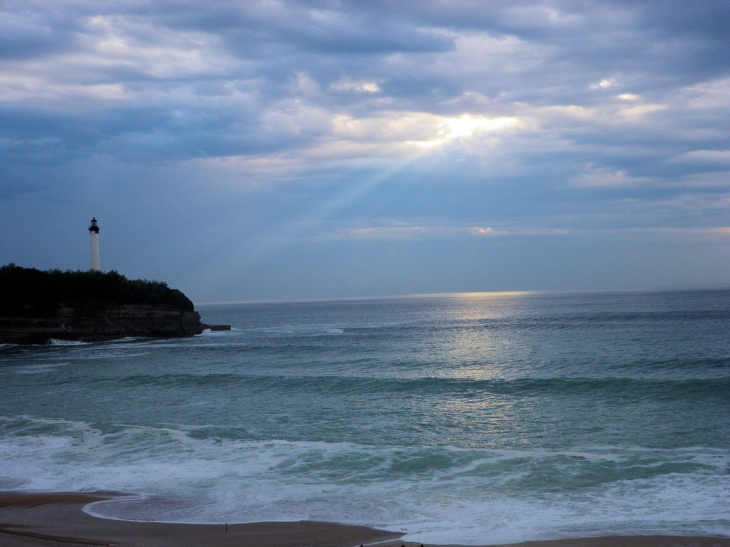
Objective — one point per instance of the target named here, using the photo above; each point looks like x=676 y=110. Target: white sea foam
x=40 y=368
x=219 y=333
x=58 y=342
x=301 y=330
x=433 y=495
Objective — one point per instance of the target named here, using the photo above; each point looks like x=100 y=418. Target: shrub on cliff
x=31 y=292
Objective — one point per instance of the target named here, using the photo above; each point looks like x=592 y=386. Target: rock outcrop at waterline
x=118 y=322
x=36 y=307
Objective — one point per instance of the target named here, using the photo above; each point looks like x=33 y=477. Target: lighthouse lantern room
x=94 y=232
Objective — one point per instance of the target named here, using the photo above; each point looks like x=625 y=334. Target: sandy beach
x=57 y=519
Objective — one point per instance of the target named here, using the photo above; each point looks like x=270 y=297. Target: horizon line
x=466 y=294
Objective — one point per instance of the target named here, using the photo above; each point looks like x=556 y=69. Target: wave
x=431 y=493
x=58 y=342
x=38 y=368
x=445 y=386
x=547 y=322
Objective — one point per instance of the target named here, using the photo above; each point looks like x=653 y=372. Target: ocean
x=470 y=418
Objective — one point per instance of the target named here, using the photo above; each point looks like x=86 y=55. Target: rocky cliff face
x=114 y=322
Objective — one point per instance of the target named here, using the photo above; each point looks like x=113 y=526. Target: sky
x=273 y=150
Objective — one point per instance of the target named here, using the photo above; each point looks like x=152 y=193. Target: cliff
x=38 y=306
x=111 y=323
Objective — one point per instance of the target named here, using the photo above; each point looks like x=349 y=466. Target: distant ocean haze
x=466 y=419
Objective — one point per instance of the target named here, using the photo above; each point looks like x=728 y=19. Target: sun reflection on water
x=479 y=345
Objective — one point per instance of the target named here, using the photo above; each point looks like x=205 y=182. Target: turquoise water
x=455 y=419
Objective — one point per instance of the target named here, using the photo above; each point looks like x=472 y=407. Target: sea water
x=485 y=418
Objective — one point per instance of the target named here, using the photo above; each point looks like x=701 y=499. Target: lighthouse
x=94 y=233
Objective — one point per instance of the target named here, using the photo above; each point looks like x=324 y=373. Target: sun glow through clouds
x=352 y=148
x=465 y=127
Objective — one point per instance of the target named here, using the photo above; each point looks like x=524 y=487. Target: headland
x=39 y=306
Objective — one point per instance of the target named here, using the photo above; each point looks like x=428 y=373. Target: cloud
x=598 y=176
x=370 y=122
x=603 y=84
x=719 y=158
x=178 y=59
x=357 y=86
x=406 y=232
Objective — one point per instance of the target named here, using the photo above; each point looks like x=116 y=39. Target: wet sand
x=46 y=520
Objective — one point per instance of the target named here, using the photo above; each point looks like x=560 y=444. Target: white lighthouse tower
x=94 y=232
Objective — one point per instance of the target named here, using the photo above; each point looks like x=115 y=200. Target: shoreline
x=54 y=519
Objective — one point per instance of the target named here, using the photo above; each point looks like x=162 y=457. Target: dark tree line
x=31 y=292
